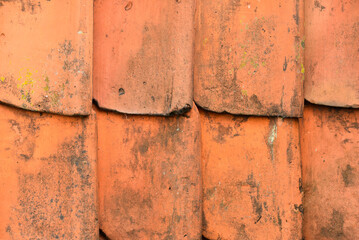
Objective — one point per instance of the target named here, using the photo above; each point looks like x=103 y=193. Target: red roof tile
x=149 y=176
x=178 y=177
x=143 y=56
x=47 y=176
x=251 y=177
x=249 y=57
x=330 y=150
x=332 y=53
x=46 y=55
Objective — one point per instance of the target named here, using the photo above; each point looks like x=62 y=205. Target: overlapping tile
x=332 y=52
x=46 y=55
x=149 y=176
x=330 y=150
x=251 y=177
x=249 y=57
x=47 y=176
x=143 y=53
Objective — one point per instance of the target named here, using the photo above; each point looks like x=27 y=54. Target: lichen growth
x=25 y=83
x=47 y=88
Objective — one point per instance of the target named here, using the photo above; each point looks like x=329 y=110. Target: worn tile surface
x=46 y=55
x=251 y=177
x=248 y=57
x=332 y=52
x=47 y=176
x=232 y=170
x=149 y=176
x=143 y=54
x=330 y=150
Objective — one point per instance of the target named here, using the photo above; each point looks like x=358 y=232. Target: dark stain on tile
x=348 y=175
x=334 y=228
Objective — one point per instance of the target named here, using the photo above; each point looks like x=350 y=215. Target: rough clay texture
x=330 y=150
x=47 y=176
x=199 y=174
x=46 y=55
x=143 y=52
x=251 y=177
x=332 y=52
x=248 y=57
x=149 y=176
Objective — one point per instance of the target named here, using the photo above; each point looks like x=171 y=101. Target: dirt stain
x=348 y=175
x=334 y=229
x=317 y=4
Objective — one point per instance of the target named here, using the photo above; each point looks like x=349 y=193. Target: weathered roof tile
x=251 y=177
x=330 y=154
x=149 y=176
x=332 y=53
x=47 y=176
x=248 y=57
x=46 y=55
x=143 y=54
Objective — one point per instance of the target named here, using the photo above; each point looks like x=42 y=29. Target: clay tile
x=46 y=55
x=330 y=152
x=332 y=53
x=149 y=176
x=251 y=177
x=143 y=53
x=47 y=176
x=248 y=57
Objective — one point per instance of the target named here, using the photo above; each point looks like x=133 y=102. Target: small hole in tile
x=128 y=6
x=121 y=91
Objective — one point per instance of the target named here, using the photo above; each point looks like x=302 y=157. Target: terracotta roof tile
x=330 y=150
x=46 y=55
x=143 y=56
x=249 y=57
x=118 y=172
x=47 y=176
x=149 y=176
x=332 y=53
x=251 y=177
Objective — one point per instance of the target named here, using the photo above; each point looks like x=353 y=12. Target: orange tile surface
x=143 y=53
x=251 y=177
x=249 y=57
x=332 y=52
x=149 y=176
x=47 y=176
x=143 y=162
x=46 y=55
x=330 y=150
